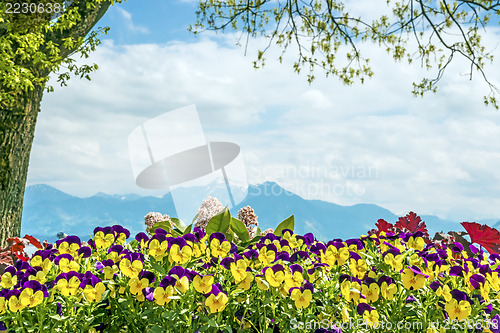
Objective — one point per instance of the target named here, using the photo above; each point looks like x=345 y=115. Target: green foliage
x=33 y=44
x=178 y=223
x=165 y=225
x=239 y=229
x=220 y=222
x=326 y=35
x=374 y=281
x=288 y=223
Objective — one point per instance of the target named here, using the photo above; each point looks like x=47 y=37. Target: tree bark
x=17 y=126
x=17 y=130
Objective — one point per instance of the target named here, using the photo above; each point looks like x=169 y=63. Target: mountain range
x=48 y=211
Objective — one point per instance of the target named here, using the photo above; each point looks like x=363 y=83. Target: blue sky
x=370 y=143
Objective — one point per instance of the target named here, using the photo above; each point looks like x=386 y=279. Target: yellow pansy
x=302 y=298
x=162 y=295
x=238 y=270
x=136 y=285
x=458 y=310
x=203 y=284
x=216 y=303
x=411 y=280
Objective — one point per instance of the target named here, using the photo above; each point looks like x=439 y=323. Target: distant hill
x=48 y=211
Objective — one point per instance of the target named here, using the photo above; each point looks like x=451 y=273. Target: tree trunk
x=17 y=124
x=17 y=130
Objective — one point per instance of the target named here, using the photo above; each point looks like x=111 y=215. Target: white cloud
x=371 y=143
x=129 y=22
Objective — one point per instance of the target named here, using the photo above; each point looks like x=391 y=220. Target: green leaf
x=258 y=232
x=239 y=229
x=220 y=222
x=58 y=317
x=155 y=329
x=230 y=236
x=165 y=225
x=188 y=229
x=157 y=267
x=178 y=223
x=288 y=223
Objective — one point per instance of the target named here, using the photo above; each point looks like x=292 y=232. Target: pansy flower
x=282 y=256
x=69 y=283
x=142 y=239
x=394 y=259
x=144 y=280
x=104 y=237
x=66 y=263
x=299 y=255
x=275 y=275
x=158 y=246
x=148 y=294
x=354 y=244
x=261 y=282
x=69 y=245
x=314 y=272
x=203 y=283
x=415 y=241
x=39 y=276
x=318 y=248
x=216 y=299
x=246 y=283
x=181 y=276
x=9 y=278
x=371 y=289
x=251 y=254
x=239 y=268
x=219 y=246
x=351 y=289
x=294 y=277
x=14 y=301
x=84 y=252
x=413 y=278
x=294 y=240
x=336 y=254
x=357 y=266
x=3 y=304
x=388 y=287
x=267 y=254
x=109 y=269
x=162 y=294
x=302 y=296
x=93 y=288
x=136 y=285
x=33 y=294
x=121 y=234
x=180 y=251
x=493 y=280
x=114 y=252
x=370 y=315
x=458 y=307
x=43 y=259
x=131 y=264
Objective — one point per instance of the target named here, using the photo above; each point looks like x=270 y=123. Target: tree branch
x=89 y=18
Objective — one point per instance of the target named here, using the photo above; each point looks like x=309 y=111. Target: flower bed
x=220 y=280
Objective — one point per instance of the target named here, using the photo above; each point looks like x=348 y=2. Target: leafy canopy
x=36 y=43
x=327 y=36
